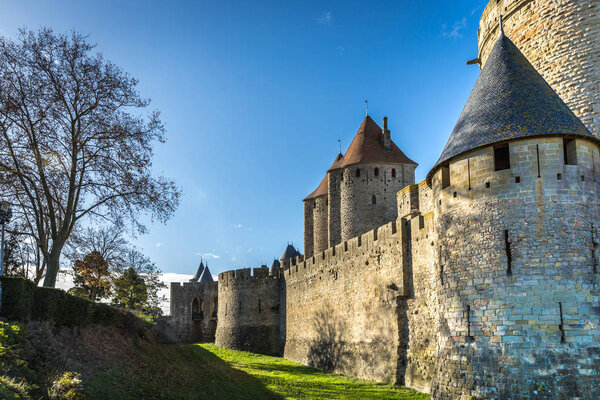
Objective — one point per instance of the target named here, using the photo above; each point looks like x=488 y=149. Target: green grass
x=205 y=371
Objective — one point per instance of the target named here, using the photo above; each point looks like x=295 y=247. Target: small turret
x=198 y=272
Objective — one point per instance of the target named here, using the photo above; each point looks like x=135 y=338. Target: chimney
x=387 y=139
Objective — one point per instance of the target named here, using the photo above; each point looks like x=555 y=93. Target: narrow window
x=327 y=202
x=373 y=199
x=376 y=172
x=537 y=155
x=508 y=254
x=570 y=151
x=501 y=158
x=517 y=179
x=445 y=176
x=559 y=177
x=594 y=251
x=358 y=173
x=487 y=185
x=442 y=274
x=561 y=327
x=393 y=172
x=469 y=333
x=455 y=194
x=259 y=307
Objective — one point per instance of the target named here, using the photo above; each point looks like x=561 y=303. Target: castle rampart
x=560 y=38
x=250 y=311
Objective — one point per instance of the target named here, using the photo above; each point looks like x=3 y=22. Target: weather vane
x=340 y=145
x=367 y=103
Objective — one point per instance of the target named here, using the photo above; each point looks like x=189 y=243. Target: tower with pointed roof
x=515 y=214
x=358 y=192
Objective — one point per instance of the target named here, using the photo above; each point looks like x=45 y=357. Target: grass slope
x=205 y=371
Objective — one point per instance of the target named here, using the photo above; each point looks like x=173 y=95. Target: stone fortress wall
x=193 y=313
x=369 y=200
x=250 y=311
x=560 y=38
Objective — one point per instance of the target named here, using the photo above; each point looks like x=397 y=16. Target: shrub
x=17 y=298
x=11 y=389
x=67 y=387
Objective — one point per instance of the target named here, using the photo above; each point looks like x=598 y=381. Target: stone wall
x=518 y=292
x=321 y=222
x=343 y=307
x=249 y=311
x=309 y=206
x=335 y=199
x=369 y=200
x=186 y=324
x=560 y=38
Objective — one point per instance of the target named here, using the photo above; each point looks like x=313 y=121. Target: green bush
x=17 y=298
x=11 y=389
x=47 y=304
x=22 y=301
x=67 y=387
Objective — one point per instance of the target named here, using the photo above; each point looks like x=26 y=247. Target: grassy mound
x=205 y=371
x=40 y=361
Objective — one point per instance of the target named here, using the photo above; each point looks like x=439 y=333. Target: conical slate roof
x=198 y=272
x=323 y=187
x=367 y=148
x=290 y=252
x=206 y=276
x=510 y=100
x=276 y=264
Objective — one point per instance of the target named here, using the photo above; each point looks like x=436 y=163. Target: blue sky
x=255 y=96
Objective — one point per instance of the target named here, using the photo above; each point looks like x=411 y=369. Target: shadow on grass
x=178 y=371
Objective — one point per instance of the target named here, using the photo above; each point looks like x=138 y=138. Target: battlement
x=247 y=275
x=344 y=251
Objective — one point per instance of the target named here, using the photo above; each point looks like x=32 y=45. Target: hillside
x=116 y=365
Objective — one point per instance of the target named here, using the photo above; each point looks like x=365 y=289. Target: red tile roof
x=322 y=189
x=367 y=148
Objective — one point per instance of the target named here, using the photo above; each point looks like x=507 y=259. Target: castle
x=482 y=281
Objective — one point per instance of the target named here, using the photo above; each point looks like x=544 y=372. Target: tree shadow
x=326 y=352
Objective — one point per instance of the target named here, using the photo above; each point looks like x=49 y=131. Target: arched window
x=376 y=172
x=393 y=172
x=358 y=173
x=197 y=314
x=373 y=199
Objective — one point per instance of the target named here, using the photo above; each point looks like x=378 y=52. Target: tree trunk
x=52 y=266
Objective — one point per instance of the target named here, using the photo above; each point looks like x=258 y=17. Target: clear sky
x=256 y=94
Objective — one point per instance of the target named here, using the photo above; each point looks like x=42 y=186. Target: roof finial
x=501 y=26
x=340 y=145
x=367 y=103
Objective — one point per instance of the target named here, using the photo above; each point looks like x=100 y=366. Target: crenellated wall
x=560 y=38
x=342 y=307
x=250 y=311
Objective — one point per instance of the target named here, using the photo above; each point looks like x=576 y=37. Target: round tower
x=560 y=39
x=316 y=217
x=516 y=218
x=370 y=174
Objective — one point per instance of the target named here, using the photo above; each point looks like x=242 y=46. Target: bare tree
x=75 y=141
x=107 y=240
